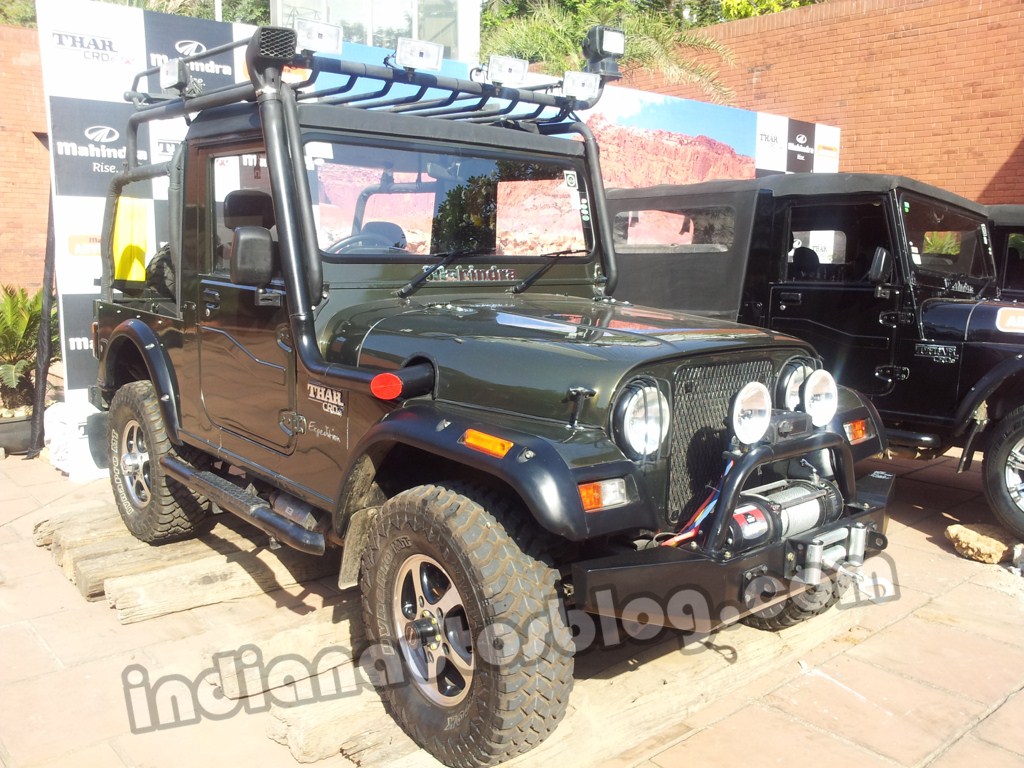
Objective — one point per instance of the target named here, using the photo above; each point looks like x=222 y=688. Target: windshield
x=373 y=201
x=946 y=241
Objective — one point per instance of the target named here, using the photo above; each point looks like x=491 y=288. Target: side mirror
x=881 y=267
x=252 y=256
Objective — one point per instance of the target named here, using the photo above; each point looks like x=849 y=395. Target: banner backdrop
x=91 y=51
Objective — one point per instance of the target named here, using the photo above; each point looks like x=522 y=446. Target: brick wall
x=932 y=89
x=24 y=160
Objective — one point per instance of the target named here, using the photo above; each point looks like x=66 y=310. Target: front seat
x=805 y=263
x=388 y=231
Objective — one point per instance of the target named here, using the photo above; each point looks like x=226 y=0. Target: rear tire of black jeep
x=1003 y=472
x=154 y=508
x=806 y=605
x=468 y=644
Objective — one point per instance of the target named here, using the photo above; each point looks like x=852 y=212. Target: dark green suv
x=381 y=321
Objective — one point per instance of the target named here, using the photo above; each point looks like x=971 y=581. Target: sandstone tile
x=943 y=472
x=932 y=572
x=14 y=509
x=45 y=715
x=99 y=755
x=760 y=735
x=1003 y=727
x=971 y=751
x=24 y=654
x=876 y=616
x=928 y=495
x=906 y=512
x=22 y=558
x=974 y=608
x=39 y=594
x=1000 y=578
x=896 y=717
x=936 y=653
x=98 y=634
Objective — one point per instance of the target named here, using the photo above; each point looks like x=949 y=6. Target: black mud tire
x=505 y=680
x=812 y=602
x=154 y=507
x=1003 y=472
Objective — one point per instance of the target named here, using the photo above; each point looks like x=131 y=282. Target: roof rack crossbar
x=446 y=102
x=454 y=110
x=355 y=98
x=527 y=116
x=327 y=92
x=207 y=54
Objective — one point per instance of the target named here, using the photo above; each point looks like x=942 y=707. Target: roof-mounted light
x=507 y=70
x=174 y=76
x=317 y=36
x=582 y=86
x=603 y=47
x=418 y=54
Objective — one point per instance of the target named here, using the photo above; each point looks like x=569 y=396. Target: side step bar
x=913 y=439
x=250 y=508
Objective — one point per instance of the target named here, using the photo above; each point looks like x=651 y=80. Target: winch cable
x=692 y=528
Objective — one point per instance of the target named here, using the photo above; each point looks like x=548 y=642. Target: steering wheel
x=359 y=240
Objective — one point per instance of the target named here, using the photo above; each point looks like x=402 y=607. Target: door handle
x=791 y=298
x=211 y=300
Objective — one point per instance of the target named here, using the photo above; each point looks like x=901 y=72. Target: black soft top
x=1006 y=215
x=809 y=184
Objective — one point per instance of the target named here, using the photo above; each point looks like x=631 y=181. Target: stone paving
x=934 y=678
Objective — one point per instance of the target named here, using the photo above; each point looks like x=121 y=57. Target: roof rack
x=388 y=87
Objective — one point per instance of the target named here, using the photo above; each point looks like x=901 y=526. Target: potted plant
x=20 y=318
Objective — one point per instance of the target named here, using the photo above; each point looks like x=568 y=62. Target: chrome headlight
x=751 y=413
x=641 y=419
x=820 y=397
x=791 y=380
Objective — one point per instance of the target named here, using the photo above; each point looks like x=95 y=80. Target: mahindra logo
x=189 y=47
x=801 y=138
x=103 y=134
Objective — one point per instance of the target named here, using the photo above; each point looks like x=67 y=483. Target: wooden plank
x=80 y=532
x=92 y=564
x=322 y=641
x=212 y=580
x=100 y=510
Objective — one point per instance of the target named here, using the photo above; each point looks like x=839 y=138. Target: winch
x=781 y=510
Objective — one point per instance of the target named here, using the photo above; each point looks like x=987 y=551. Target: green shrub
x=20 y=317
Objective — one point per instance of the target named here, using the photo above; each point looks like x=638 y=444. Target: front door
x=824 y=295
x=246 y=363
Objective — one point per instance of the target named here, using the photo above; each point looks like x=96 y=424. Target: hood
x=522 y=354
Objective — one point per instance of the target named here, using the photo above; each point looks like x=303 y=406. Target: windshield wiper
x=533 y=277
x=446 y=258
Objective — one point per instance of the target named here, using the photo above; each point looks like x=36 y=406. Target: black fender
x=983 y=389
x=533 y=468
x=135 y=332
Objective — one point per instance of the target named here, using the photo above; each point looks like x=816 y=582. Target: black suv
x=886 y=276
x=381 y=321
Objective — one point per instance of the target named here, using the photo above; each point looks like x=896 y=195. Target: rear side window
x=690 y=230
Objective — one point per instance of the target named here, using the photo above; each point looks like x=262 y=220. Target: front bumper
x=699 y=591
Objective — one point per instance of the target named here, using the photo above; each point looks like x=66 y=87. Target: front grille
x=700 y=407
